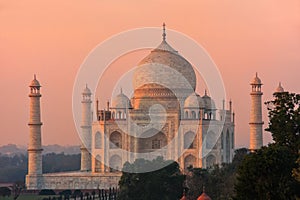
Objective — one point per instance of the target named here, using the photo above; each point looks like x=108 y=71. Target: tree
x=5 y=191
x=218 y=180
x=296 y=170
x=165 y=183
x=266 y=174
x=284 y=120
x=17 y=189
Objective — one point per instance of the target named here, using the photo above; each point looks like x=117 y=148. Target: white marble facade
x=192 y=130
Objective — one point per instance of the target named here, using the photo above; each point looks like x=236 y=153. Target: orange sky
x=52 y=37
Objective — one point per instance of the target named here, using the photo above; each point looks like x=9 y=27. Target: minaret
x=86 y=130
x=35 y=143
x=256 y=123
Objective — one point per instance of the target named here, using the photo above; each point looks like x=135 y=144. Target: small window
x=156 y=144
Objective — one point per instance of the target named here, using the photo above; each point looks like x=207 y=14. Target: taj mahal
x=163 y=117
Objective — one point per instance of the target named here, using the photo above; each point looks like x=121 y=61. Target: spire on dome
x=164 y=32
x=121 y=90
x=35 y=82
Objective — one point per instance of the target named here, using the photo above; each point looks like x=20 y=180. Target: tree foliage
x=165 y=183
x=218 y=181
x=267 y=172
x=5 y=191
x=284 y=120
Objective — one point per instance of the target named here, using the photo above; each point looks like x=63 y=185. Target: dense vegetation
x=271 y=172
x=14 y=168
x=165 y=183
x=218 y=181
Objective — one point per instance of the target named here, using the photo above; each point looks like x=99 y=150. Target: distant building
x=189 y=128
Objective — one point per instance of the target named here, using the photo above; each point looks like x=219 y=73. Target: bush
x=5 y=191
x=46 y=192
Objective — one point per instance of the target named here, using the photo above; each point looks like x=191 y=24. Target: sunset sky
x=51 y=38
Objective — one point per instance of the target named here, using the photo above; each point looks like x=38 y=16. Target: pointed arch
x=189 y=161
x=115 y=140
x=227 y=146
x=98 y=141
x=232 y=140
x=193 y=114
x=222 y=140
x=186 y=114
x=211 y=140
x=151 y=139
x=115 y=163
x=210 y=161
x=98 y=164
x=189 y=140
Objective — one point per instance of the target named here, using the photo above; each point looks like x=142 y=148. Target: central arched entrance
x=151 y=140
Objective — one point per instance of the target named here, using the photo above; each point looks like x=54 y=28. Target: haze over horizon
x=52 y=38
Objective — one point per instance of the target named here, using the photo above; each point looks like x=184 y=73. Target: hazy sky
x=52 y=37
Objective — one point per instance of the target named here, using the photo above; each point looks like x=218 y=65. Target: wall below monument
x=73 y=180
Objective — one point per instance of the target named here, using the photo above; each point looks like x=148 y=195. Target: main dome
x=166 y=67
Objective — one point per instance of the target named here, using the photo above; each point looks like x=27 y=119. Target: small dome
x=194 y=101
x=121 y=101
x=208 y=102
x=86 y=91
x=279 y=89
x=204 y=196
x=183 y=197
x=35 y=83
x=256 y=81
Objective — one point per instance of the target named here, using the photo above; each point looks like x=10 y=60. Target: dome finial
x=121 y=90
x=279 y=89
x=205 y=92
x=256 y=74
x=164 y=32
x=34 y=77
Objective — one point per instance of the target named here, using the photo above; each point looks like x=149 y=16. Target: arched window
x=210 y=161
x=193 y=115
x=222 y=140
x=113 y=115
x=189 y=140
x=98 y=142
x=115 y=140
x=232 y=140
x=189 y=161
x=186 y=114
x=227 y=146
x=115 y=163
x=211 y=140
x=98 y=163
x=151 y=139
